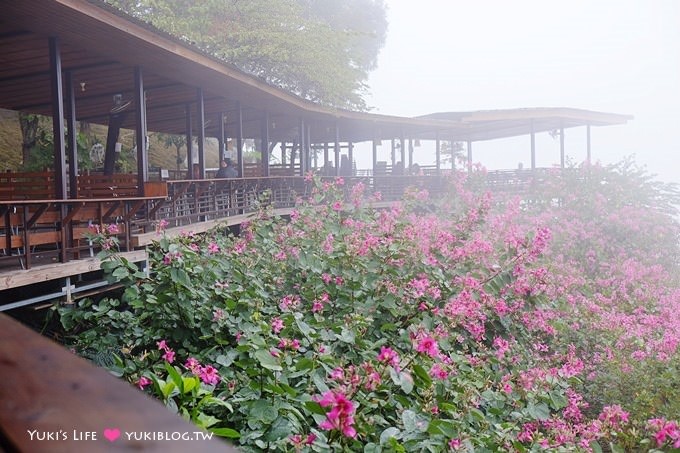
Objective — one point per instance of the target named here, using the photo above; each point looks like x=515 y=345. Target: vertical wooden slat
x=337 y=149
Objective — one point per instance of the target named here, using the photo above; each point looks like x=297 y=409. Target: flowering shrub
x=431 y=326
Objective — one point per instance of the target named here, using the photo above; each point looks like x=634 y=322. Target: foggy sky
x=618 y=56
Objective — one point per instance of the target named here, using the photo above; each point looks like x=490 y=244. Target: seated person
x=226 y=170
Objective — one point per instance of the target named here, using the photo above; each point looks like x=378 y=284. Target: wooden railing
x=49 y=391
x=54 y=228
x=40 y=227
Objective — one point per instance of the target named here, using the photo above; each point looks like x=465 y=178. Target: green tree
x=319 y=50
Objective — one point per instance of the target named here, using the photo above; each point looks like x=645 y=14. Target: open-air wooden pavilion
x=77 y=60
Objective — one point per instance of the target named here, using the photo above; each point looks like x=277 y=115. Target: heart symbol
x=112 y=434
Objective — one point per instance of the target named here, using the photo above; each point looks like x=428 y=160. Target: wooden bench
x=27 y=185
x=107 y=186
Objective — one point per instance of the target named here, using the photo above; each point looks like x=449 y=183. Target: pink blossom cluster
x=341 y=414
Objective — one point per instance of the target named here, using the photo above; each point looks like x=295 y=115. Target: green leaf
x=262 y=410
x=409 y=419
x=388 y=434
x=267 y=360
x=315 y=408
x=189 y=383
x=477 y=414
x=226 y=432
x=616 y=448
x=346 y=336
x=406 y=382
x=539 y=411
x=422 y=374
x=595 y=447
x=175 y=376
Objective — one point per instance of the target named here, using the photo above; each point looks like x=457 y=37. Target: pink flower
x=338 y=374
x=438 y=372
x=501 y=346
x=389 y=356
x=341 y=415
x=209 y=375
x=169 y=356
x=428 y=345
x=113 y=229
x=277 y=325
x=218 y=315
x=193 y=365
x=337 y=206
x=143 y=382
x=213 y=248
x=455 y=443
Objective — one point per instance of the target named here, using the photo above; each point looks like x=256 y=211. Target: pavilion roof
x=101 y=46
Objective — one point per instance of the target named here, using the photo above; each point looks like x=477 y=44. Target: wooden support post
x=469 y=156
x=140 y=132
x=72 y=144
x=190 y=140
x=533 y=147
x=239 y=138
x=438 y=152
x=350 y=155
x=264 y=142
x=374 y=160
x=200 y=111
x=309 y=148
x=588 y=155
x=393 y=152
x=57 y=119
x=337 y=149
x=410 y=152
x=220 y=137
x=302 y=136
x=561 y=145
x=402 y=141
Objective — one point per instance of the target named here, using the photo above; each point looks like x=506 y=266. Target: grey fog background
x=619 y=56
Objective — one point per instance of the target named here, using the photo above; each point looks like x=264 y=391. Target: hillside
x=160 y=155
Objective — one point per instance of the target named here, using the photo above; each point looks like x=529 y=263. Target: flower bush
x=434 y=325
